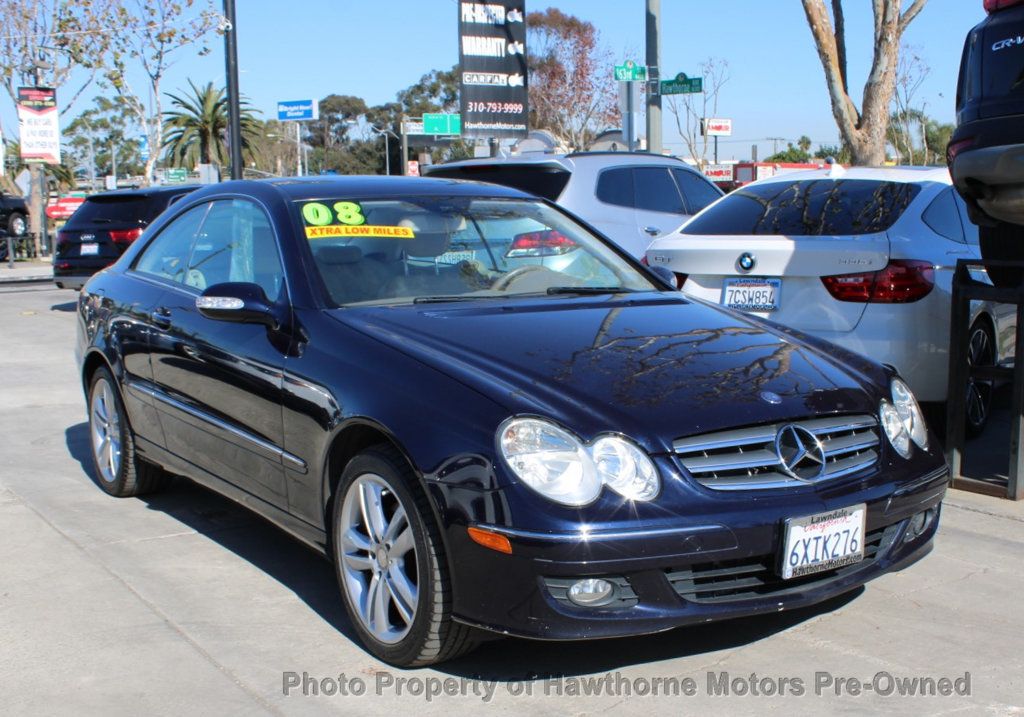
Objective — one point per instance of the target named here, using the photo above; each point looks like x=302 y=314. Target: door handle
x=653 y=231
x=161 y=317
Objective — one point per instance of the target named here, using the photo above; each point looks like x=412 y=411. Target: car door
x=220 y=382
x=697 y=191
x=659 y=206
x=134 y=325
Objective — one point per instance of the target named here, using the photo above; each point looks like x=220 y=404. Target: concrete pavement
x=184 y=603
x=30 y=270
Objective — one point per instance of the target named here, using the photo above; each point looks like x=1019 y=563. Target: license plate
x=752 y=294
x=456 y=257
x=823 y=542
x=88 y=249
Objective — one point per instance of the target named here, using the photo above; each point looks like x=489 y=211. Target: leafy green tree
x=197 y=127
x=336 y=112
x=792 y=153
x=103 y=136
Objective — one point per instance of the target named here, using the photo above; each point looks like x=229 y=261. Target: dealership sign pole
x=39 y=132
x=492 y=69
x=298 y=111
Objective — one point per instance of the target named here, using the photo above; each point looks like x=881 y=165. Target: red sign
x=64 y=207
x=717 y=127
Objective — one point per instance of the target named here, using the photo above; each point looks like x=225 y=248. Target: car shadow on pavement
x=312 y=580
x=68 y=306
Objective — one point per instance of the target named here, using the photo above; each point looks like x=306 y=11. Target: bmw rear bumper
x=666 y=578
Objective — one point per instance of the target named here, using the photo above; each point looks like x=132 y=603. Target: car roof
x=568 y=161
x=908 y=175
x=146 y=191
x=299 y=188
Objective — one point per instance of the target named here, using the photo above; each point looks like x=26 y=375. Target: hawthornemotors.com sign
x=492 y=68
x=39 y=124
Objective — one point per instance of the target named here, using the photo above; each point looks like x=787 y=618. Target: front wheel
x=119 y=470
x=16 y=225
x=390 y=563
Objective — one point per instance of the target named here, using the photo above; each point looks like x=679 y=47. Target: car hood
x=654 y=366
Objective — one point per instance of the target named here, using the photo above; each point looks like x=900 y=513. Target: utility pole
x=654 y=144
x=405 y=147
x=775 y=143
x=234 y=97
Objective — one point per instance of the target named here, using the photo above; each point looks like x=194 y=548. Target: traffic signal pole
x=654 y=144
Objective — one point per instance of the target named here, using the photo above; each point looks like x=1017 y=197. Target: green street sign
x=437 y=123
x=631 y=72
x=682 y=85
x=175 y=176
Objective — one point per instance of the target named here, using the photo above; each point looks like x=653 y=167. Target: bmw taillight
x=900 y=282
x=994 y=5
x=125 y=236
x=549 y=242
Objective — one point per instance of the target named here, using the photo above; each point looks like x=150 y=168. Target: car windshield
x=424 y=249
x=809 y=207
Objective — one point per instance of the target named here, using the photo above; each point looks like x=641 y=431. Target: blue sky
x=311 y=48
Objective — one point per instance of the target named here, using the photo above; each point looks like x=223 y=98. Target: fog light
x=592 y=592
x=918 y=524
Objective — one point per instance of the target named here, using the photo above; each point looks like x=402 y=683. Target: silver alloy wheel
x=979 y=393
x=18 y=226
x=377 y=554
x=105 y=425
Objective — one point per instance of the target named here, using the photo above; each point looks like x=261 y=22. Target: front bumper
x=669 y=577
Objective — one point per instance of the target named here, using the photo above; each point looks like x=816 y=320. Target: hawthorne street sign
x=682 y=85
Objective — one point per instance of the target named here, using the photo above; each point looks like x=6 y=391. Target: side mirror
x=237 y=301
x=665 y=274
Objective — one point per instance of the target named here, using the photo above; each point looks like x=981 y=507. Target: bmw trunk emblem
x=747 y=261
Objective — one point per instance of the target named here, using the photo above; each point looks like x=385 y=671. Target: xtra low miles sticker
x=364 y=230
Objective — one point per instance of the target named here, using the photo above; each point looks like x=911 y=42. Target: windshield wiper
x=590 y=290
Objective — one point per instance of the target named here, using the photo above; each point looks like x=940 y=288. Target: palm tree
x=197 y=127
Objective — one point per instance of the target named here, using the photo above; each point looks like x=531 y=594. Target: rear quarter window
x=814 y=207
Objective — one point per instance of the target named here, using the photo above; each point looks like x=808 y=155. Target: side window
x=941 y=215
x=655 y=191
x=697 y=191
x=615 y=186
x=166 y=256
x=236 y=243
x=970 y=228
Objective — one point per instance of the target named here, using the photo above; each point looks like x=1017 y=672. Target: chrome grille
x=745 y=458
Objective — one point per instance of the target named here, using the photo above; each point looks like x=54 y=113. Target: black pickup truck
x=13 y=214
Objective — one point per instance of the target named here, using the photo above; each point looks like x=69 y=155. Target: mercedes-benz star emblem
x=746 y=262
x=801 y=454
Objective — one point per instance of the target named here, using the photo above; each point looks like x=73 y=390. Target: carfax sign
x=492 y=68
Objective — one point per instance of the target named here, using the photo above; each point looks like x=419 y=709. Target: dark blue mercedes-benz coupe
x=490 y=418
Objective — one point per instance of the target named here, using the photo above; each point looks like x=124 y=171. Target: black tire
x=433 y=636
x=981 y=349
x=16 y=224
x=133 y=476
x=1002 y=242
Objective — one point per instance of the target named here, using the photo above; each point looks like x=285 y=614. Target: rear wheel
x=980 y=352
x=16 y=225
x=390 y=563
x=1002 y=242
x=119 y=470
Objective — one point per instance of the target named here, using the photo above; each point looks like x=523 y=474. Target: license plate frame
x=837 y=536
x=88 y=249
x=752 y=283
x=456 y=257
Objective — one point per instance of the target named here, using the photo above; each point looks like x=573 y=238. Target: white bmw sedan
x=862 y=257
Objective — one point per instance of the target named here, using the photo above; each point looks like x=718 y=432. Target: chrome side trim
x=221 y=424
x=597 y=535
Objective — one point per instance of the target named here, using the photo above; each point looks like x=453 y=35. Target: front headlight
x=556 y=464
x=624 y=468
x=910 y=413
x=894 y=429
x=550 y=460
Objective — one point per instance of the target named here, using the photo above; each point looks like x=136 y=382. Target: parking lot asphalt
x=183 y=602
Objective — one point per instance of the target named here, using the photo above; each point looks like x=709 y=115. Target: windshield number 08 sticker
x=320 y=215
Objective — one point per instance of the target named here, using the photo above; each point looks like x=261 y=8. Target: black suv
x=103 y=227
x=986 y=152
